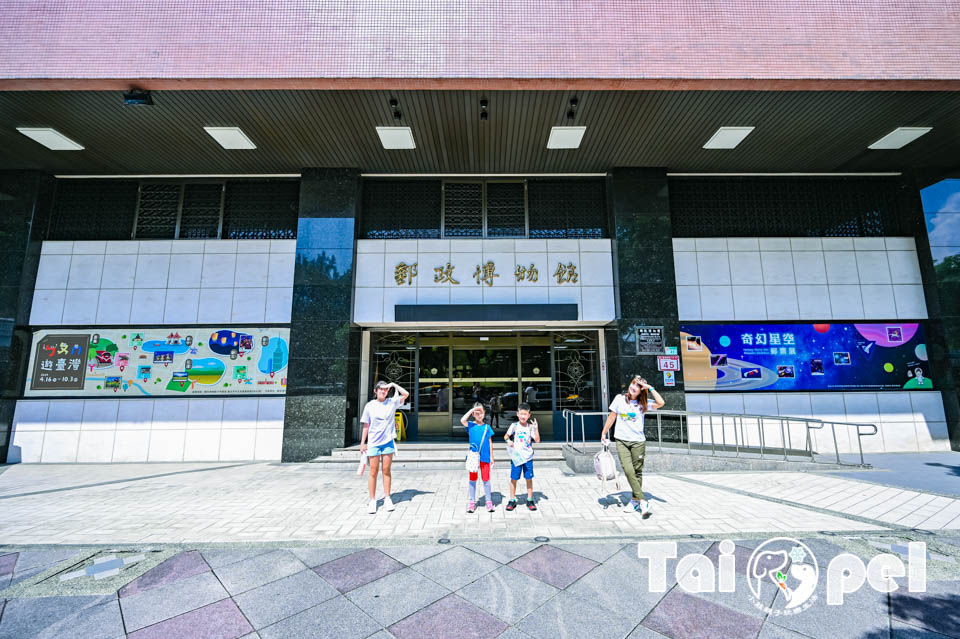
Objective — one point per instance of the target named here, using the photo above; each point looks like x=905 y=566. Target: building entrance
x=447 y=372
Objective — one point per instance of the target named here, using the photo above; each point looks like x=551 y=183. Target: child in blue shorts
x=520 y=438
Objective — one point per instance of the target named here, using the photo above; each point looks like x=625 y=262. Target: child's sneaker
x=372 y=509
x=634 y=505
x=471 y=506
x=489 y=507
x=531 y=505
x=644 y=508
x=511 y=504
x=388 y=503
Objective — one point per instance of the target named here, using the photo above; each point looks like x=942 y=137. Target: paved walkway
x=267 y=550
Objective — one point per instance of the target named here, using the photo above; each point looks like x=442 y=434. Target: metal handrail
x=740 y=441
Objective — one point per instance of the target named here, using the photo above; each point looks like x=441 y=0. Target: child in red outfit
x=479 y=434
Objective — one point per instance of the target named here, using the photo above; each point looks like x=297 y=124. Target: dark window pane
x=261 y=210
x=157 y=211
x=567 y=208
x=785 y=207
x=401 y=209
x=93 y=210
x=463 y=209
x=506 y=209
x=200 y=217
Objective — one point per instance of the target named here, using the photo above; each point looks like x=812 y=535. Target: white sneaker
x=372 y=509
x=645 y=508
x=388 y=503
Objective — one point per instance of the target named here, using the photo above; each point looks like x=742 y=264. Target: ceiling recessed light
x=728 y=137
x=565 y=137
x=396 y=137
x=900 y=137
x=230 y=137
x=51 y=138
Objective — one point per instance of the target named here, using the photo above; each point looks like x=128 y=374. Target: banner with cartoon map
x=804 y=357
x=159 y=361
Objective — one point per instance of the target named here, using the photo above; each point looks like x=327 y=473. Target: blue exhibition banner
x=804 y=357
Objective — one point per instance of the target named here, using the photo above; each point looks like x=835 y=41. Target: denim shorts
x=383 y=449
x=526 y=467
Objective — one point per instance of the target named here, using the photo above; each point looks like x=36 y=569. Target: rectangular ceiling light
x=396 y=137
x=900 y=137
x=230 y=137
x=565 y=137
x=51 y=138
x=728 y=137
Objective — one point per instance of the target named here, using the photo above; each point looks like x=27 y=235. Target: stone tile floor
x=553 y=589
x=264 y=550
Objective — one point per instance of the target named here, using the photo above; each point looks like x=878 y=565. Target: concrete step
x=441 y=455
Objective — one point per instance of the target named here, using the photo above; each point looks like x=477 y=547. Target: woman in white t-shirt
x=379 y=431
x=627 y=411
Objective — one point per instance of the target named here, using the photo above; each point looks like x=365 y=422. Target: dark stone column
x=25 y=199
x=324 y=348
x=639 y=208
x=939 y=321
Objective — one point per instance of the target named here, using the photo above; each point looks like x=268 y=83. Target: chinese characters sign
x=159 y=361
x=59 y=362
x=650 y=340
x=485 y=273
x=805 y=357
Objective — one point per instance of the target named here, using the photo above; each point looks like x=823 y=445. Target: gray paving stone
x=507 y=593
x=772 y=631
x=252 y=635
x=157 y=604
x=863 y=613
x=5 y=581
x=357 y=569
x=936 y=610
x=900 y=630
x=248 y=574
x=178 y=567
x=396 y=596
x=597 y=552
x=313 y=557
x=556 y=567
x=568 y=616
x=383 y=634
x=622 y=582
x=88 y=617
x=7 y=563
x=217 y=557
x=641 y=632
x=504 y=552
x=684 y=616
x=30 y=559
x=413 y=553
x=449 y=617
x=285 y=597
x=337 y=618
x=456 y=568
x=513 y=633
x=220 y=620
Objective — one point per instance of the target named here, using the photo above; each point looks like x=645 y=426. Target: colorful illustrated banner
x=159 y=361
x=804 y=357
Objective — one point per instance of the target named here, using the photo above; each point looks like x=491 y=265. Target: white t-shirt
x=522 y=449
x=381 y=417
x=629 y=425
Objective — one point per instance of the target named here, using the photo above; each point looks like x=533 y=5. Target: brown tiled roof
x=619 y=41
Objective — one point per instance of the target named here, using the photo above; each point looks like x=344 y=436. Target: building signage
x=650 y=340
x=138 y=362
x=484 y=274
x=668 y=362
x=805 y=357
x=59 y=362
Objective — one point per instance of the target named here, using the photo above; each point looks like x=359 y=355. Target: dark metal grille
x=567 y=208
x=93 y=210
x=200 y=217
x=401 y=209
x=463 y=209
x=784 y=207
x=157 y=210
x=261 y=210
x=576 y=366
x=506 y=209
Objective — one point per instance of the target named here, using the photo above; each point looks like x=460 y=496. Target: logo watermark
x=786 y=567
